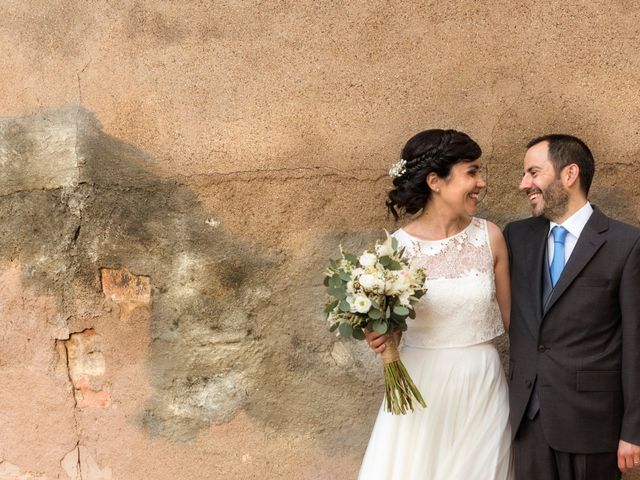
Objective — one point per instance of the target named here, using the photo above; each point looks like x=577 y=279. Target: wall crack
x=316 y=172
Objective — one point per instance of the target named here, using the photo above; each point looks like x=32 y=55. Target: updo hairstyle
x=434 y=151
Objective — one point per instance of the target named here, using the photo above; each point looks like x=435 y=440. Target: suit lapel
x=535 y=260
x=590 y=241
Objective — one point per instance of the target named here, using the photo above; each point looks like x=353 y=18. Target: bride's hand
x=376 y=341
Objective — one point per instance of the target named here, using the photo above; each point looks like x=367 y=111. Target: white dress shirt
x=574 y=225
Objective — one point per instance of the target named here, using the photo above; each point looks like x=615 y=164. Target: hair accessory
x=398 y=169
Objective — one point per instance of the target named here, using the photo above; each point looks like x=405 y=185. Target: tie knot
x=559 y=234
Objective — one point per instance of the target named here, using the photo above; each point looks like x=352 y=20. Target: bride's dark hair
x=429 y=151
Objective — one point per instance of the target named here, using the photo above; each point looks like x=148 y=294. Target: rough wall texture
x=173 y=176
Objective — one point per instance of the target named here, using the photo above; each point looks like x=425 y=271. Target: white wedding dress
x=464 y=432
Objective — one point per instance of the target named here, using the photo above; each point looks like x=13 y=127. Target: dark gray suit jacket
x=583 y=347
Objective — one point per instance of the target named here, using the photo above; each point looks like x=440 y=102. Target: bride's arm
x=501 y=268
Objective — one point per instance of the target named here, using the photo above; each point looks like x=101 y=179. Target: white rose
x=356 y=272
x=367 y=281
x=368 y=259
x=360 y=304
x=372 y=283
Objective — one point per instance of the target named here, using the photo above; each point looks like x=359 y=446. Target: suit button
x=541 y=348
x=528 y=383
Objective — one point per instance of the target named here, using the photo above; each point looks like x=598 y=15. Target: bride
x=464 y=431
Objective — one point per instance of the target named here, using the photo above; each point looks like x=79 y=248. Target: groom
x=575 y=324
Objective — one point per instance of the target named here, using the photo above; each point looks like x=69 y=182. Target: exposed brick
x=86 y=369
x=122 y=286
x=88 y=398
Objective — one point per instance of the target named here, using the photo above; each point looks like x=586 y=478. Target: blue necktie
x=557 y=264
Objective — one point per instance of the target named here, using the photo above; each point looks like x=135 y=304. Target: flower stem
x=400 y=391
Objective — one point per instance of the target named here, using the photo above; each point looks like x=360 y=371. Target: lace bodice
x=460 y=307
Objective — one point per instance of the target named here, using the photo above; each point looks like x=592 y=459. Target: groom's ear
x=570 y=175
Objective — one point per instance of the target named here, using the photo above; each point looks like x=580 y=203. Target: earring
x=437 y=190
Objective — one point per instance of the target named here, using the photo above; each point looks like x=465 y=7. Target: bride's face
x=461 y=189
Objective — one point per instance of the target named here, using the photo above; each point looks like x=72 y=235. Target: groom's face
x=547 y=196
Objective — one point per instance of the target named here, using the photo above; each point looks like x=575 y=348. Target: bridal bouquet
x=377 y=291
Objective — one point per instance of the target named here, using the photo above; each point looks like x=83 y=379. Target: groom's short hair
x=565 y=150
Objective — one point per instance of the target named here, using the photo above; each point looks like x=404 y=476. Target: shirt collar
x=576 y=222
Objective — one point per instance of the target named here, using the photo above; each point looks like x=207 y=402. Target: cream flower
x=368 y=259
x=371 y=283
x=356 y=272
x=359 y=303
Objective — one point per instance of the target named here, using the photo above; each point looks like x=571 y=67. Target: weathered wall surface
x=173 y=176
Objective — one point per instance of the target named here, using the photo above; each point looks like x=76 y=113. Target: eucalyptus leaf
x=326 y=281
x=339 y=293
x=351 y=258
x=344 y=306
x=335 y=281
x=344 y=276
x=394 y=265
x=401 y=311
x=374 y=314
x=358 y=334
x=330 y=307
x=333 y=327
x=345 y=329
x=394 y=243
x=384 y=260
x=380 y=326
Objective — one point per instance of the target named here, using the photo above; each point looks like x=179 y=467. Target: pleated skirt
x=464 y=432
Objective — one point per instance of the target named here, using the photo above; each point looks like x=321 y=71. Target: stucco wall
x=173 y=176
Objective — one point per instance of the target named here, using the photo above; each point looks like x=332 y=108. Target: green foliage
x=330 y=306
x=380 y=326
x=345 y=329
x=339 y=293
x=394 y=265
x=401 y=311
x=344 y=276
x=352 y=259
x=358 y=334
x=335 y=281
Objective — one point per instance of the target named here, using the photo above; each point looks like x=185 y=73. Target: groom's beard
x=555 y=201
